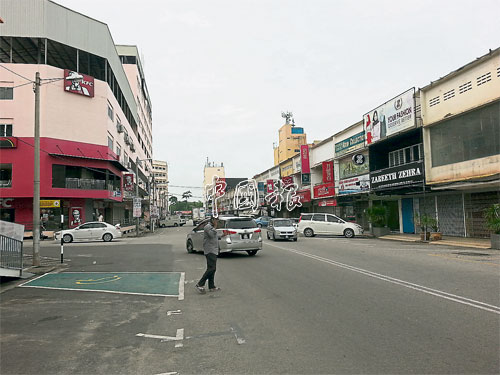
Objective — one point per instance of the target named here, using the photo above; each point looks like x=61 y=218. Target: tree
x=186 y=195
x=173 y=199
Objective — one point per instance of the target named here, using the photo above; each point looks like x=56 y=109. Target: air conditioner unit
x=132 y=147
x=129 y=166
x=120 y=128
x=126 y=138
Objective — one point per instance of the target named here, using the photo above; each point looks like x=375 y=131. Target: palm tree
x=186 y=195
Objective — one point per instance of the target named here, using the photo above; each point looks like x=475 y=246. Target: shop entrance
x=392 y=215
x=407 y=211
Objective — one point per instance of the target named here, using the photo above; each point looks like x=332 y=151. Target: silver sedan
x=94 y=230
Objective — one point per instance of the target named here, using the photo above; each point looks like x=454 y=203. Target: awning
x=116 y=163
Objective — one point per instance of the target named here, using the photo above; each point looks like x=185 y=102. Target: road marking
x=181 y=286
x=438 y=293
x=107 y=279
x=174 y=312
x=179 y=336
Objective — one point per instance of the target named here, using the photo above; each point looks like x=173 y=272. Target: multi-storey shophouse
x=95 y=115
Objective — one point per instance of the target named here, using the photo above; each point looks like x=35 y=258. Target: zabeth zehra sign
x=399 y=176
x=390 y=118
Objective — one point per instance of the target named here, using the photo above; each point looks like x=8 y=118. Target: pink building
x=93 y=130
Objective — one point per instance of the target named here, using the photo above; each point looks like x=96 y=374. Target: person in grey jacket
x=211 y=250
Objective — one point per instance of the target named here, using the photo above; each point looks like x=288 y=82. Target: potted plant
x=377 y=215
x=492 y=216
x=436 y=235
x=425 y=223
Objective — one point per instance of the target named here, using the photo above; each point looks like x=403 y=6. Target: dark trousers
x=210 y=272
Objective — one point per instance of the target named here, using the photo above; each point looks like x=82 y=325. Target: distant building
x=290 y=138
x=210 y=170
x=160 y=171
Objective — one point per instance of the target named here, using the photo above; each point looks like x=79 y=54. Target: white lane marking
x=169 y=373
x=438 y=293
x=179 y=336
x=174 y=312
x=181 y=286
x=101 y=291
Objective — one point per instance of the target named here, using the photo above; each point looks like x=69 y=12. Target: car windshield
x=282 y=223
x=241 y=224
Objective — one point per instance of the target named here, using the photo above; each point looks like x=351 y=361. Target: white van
x=313 y=224
x=172 y=221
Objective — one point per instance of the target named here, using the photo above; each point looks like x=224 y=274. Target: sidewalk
x=478 y=243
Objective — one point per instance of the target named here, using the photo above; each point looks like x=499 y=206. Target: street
x=319 y=305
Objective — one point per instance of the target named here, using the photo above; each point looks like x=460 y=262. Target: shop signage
x=84 y=86
x=137 y=207
x=304 y=159
x=287 y=181
x=6 y=202
x=306 y=178
x=390 y=118
x=8 y=142
x=399 y=176
x=353 y=166
x=358 y=184
x=128 y=182
x=220 y=187
x=305 y=195
x=324 y=190
x=327 y=203
x=261 y=187
x=49 y=203
x=327 y=171
x=154 y=212
x=76 y=217
x=350 y=144
x=270 y=186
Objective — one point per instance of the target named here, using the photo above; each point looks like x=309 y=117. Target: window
x=5 y=175
x=5 y=130
x=125 y=158
x=332 y=219
x=110 y=142
x=6 y=93
x=110 y=112
x=405 y=155
x=318 y=217
x=473 y=135
x=306 y=217
x=118 y=150
x=86 y=226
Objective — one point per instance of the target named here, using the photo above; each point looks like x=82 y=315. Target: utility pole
x=36 y=176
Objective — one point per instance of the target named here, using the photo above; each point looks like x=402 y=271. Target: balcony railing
x=85 y=184
x=5 y=183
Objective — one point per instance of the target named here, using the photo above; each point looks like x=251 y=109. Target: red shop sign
x=324 y=190
x=327 y=203
x=305 y=195
x=304 y=159
x=327 y=171
x=73 y=82
x=287 y=181
x=270 y=186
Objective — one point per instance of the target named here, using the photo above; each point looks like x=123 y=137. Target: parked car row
x=93 y=230
x=245 y=234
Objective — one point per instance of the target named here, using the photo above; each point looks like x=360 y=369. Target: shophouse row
x=95 y=117
x=433 y=150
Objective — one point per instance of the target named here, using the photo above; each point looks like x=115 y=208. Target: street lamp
x=137 y=161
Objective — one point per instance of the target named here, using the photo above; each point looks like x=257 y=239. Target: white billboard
x=390 y=118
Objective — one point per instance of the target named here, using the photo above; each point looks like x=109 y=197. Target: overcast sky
x=221 y=72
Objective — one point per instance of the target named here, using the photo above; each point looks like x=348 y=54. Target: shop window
x=6 y=93
x=471 y=136
x=5 y=130
x=5 y=175
x=405 y=155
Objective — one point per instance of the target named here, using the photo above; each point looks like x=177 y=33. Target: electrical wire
x=17 y=74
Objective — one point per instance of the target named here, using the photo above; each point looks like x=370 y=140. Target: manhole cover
x=471 y=254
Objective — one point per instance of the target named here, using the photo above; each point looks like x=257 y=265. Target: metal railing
x=85 y=183
x=11 y=253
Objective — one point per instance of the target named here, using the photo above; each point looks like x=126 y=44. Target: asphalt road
x=320 y=305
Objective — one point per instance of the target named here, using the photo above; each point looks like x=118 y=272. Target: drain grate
x=471 y=254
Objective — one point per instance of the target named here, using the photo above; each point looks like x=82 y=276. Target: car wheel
x=295 y=239
x=348 y=233
x=252 y=252
x=308 y=232
x=67 y=238
x=189 y=247
x=268 y=236
x=175 y=224
x=259 y=225
x=107 y=237
x=274 y=237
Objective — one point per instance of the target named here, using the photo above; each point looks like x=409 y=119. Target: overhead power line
x=17 y=74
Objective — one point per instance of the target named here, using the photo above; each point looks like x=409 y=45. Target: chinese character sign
x=246 y=196
x=214 y=192
x=284 y=194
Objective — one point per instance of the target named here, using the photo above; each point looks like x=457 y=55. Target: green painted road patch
x=162 y=284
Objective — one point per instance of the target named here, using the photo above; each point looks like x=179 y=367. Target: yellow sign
x=50 y=203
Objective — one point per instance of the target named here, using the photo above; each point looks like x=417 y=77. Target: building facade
x=160 y=172
x=290 y=138
x=95 y=116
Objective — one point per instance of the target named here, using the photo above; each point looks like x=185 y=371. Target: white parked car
x=94 y=230
x=313 y=224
